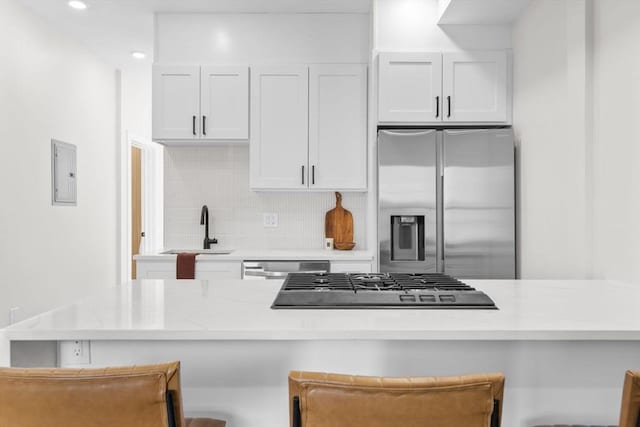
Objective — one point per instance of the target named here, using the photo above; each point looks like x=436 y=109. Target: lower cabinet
x=205 y=270
x=217 y=270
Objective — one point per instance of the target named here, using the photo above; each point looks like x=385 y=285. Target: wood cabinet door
x=224 y=102
x=176 y=102
x=338 y=127
x=279 y=127
x=410 y=87
x=475 y=86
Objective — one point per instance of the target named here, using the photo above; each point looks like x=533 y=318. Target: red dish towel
x=186 y=266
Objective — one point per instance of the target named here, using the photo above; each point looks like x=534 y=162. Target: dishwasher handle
x=280 y=269
x=262 y=273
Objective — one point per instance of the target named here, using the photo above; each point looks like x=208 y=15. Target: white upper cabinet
x=410 y=87
x=279 y=127
x=200 y=103
x=475 y=86
x=338 y=127
x=432 y=88
x=176 y=102
x=224 y=102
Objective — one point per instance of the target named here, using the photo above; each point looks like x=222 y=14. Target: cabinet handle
x=193 y=125
x=437 y=107
x=313 y=174
x=204 y=125
x=302 y=174
x=449 y=106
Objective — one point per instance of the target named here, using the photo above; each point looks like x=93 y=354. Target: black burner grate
x=374 y=282
x=319 y=281
x=429 y=281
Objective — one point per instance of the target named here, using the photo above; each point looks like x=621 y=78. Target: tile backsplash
x=219 y=178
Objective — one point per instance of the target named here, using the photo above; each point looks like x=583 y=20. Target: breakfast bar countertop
x=241 y=310
x=236 y=351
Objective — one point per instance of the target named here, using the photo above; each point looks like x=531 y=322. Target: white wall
x=412 y=25
x=549 y=92
x=51 y=88
x=136 y=99
x=577 y=100
x=257 y=38
x=219 y=176
x=616 y=157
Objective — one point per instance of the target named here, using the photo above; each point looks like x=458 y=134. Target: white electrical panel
x=63 y=173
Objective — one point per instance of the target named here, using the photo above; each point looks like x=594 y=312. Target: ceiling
x=114 y=28
x=480 y=12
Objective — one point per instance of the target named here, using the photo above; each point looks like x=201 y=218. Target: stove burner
x=321 y=273
x=376 y=286
x=369 y=278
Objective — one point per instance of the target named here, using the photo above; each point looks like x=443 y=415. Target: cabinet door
x=475 y=86
x=155 y=270
x=176 y=102
x=279 y=127
x=338 y=126
x=410 y=87
x=217 y=270
x=224 y=101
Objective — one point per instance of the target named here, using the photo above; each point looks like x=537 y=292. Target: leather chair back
x=134 y=396
x=333 y=400
x=630 y=410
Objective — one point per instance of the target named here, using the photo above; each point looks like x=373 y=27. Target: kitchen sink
x=198 y=251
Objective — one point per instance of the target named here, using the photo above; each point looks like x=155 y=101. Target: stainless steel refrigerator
x=446 y=202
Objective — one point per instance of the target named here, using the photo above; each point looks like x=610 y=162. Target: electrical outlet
x=270 y=219
x=74 y=353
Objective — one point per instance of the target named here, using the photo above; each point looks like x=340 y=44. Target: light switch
x=63 y=173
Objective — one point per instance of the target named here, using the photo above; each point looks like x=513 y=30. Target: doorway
x=141 y=202
x=137 y=233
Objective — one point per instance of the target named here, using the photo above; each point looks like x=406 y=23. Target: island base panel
x=245 y=382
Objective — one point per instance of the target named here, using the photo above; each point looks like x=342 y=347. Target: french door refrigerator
x=446 y=202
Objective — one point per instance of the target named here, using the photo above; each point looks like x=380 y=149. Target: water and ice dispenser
x=407 y=238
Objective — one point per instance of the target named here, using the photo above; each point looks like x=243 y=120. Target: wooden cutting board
x=338 y=224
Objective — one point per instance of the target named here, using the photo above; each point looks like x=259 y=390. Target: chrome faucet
x=204 y=220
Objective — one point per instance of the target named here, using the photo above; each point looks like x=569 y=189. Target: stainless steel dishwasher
x=273 y=270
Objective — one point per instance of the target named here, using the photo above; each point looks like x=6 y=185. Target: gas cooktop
x=381 y=290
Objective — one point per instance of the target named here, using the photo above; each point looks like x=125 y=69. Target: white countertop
x=240 y=310
x=269 y=255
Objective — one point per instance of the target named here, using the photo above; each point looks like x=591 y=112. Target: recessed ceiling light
x=138 y=55
x=77 y=4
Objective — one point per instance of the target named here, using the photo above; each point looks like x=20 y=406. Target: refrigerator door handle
x=441 y=229
x=439 y=204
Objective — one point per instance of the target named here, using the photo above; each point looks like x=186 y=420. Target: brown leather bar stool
x=333 y=400
x=630 y=408
x=132 y=396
